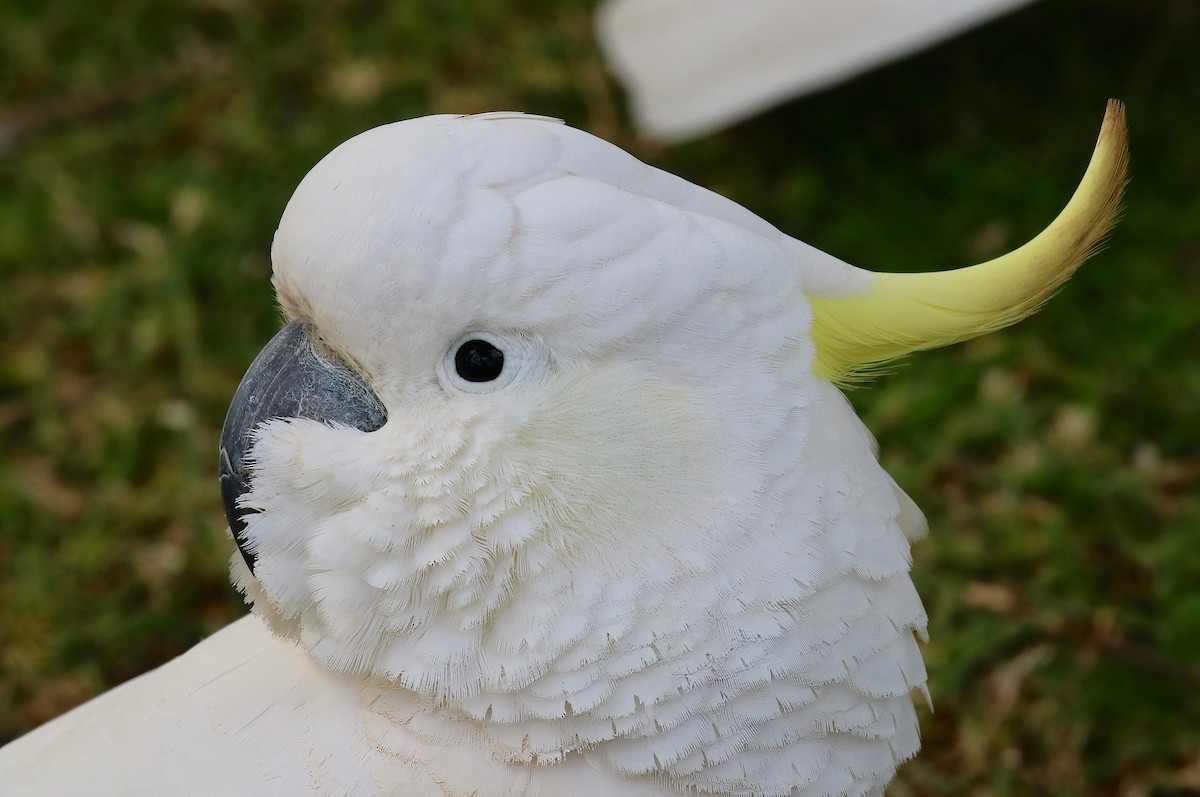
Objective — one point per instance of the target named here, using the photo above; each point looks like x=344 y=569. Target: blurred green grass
x=149 y=149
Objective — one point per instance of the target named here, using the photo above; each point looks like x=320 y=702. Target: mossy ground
x=149 y=149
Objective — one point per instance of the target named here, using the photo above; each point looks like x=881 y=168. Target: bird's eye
x=484 y=362
x=478 y=361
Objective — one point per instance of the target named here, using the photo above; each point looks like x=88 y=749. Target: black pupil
x=478 y=361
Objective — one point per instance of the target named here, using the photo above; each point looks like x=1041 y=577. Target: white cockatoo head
x=553 y=442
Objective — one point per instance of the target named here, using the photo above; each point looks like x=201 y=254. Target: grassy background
x=149 y=148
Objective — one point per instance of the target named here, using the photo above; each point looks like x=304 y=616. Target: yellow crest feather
x=903 y=313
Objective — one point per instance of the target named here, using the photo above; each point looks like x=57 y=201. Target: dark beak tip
x=233 y=486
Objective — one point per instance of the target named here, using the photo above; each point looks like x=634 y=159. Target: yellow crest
x=903 y=313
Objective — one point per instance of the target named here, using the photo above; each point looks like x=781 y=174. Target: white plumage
x=656 y=554
x=693 y=66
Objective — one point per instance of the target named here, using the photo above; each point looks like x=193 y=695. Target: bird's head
x=537 y=402
x=509 y=373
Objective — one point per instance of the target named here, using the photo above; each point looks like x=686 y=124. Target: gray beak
x=288 y=379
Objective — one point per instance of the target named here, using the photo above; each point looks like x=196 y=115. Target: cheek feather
x=618 y=459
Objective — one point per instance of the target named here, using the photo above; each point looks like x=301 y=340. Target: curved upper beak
x=288 y=379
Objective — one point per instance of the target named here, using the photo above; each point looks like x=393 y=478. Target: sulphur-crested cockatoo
x=693 y=66
x=547 y=488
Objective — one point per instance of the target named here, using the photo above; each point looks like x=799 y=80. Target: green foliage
x=150 y=148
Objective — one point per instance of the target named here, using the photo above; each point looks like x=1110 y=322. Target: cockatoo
x=694 y=66
x=547 y=488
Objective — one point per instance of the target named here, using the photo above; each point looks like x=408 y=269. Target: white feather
x=661 y=557
x=693 y=66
